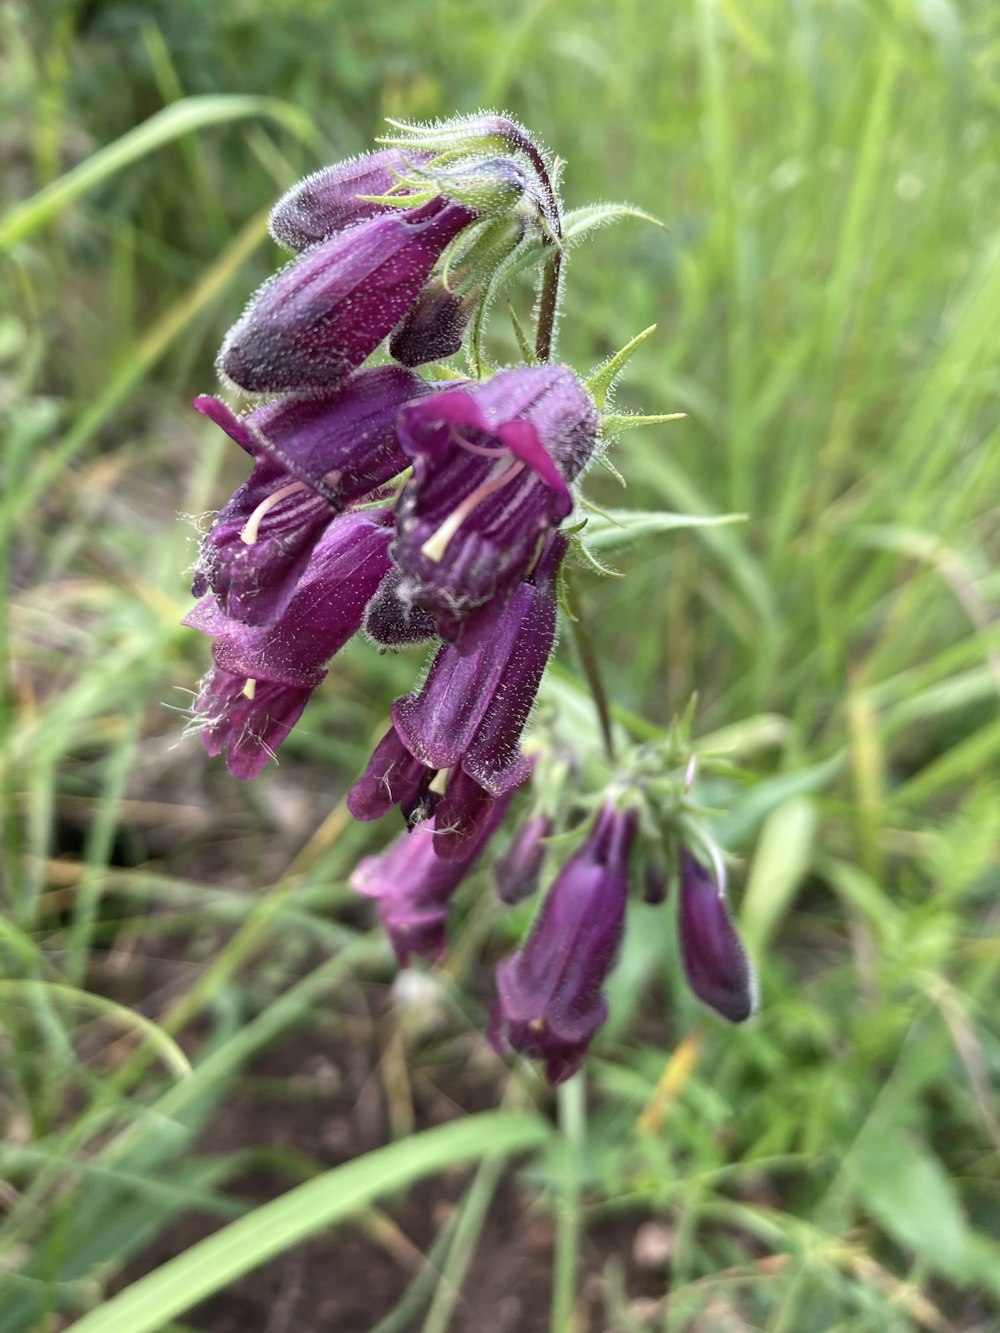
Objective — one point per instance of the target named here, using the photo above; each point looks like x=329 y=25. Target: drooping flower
x=414 y=886
x=264 y=675
x=516 y=872
x=492 y=463
x=549 y=997
x=331 y=200
x=317 y=319
x=312 y=456
x=715 y=961
x=434 y=326
x=454 y=747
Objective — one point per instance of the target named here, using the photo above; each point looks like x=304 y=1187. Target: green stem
x=572 y=1127
x=548 y=305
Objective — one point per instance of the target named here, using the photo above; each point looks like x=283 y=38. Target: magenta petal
x=522 y=440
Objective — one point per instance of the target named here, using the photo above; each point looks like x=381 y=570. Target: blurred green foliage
x=828 y=302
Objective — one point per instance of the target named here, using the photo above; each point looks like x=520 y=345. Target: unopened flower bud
x=516 y=872
x=715 y=961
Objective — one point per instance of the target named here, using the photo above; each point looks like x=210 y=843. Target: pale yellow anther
x=252 y=526
x=437 y=543
x=250 y=688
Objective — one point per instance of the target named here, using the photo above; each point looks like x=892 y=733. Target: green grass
x=827 y=298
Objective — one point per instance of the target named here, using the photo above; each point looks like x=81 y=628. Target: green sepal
x=622 y=526
x=580 y=221
x=598 y=566
x=613 y=423
x=527 y=351
x=600 y=383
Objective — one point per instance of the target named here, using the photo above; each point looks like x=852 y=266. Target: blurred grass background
x=828 y=303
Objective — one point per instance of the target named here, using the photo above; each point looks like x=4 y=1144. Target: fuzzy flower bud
x=315 y=321
x=550 y=1002
x=715 y=961
x=331 y=200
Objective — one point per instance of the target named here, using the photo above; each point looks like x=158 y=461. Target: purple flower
x=466 y=721
x=433 y=327
x=311 y=456
x=314 y=322
x=549 y=1001
x=414 y=886
x=328 y=201
x=516 y=872
x=491 y=467
x=260 y=543
x=264 y=675
x=715 y=962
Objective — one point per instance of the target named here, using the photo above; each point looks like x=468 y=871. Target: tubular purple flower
x=264 y=675
x=466 y=721
x=248 y=721
x=516 y=872
x=317 y=319
x=433 y=327
x=329 y=200
x=715 y=961
x=491 y=470
x=550 y=1002
x=260 y=543
x=312 y=456
x=343 y=445
x=414 y=886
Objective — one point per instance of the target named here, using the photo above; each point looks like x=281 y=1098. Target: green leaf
x=906 y=1189
x=600 y=383
x=621 y=527
x=614 y=423
x=581 y=221
x=779 y=866
x=276 y=1226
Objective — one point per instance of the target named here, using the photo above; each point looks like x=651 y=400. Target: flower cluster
x=426 y=508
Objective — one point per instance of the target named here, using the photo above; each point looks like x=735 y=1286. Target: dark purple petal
x=248 y=726
x=414 y=886
x=715 y=961
x=343 y=445
x=276 y=667
x=491 y=464
x=260 y=543
x=516 y=872
x=327 y=202
x=550 y=1002
x=390 y=622
x=434 y=327
x=314 y=322
x=393 y=777
x=466 y=809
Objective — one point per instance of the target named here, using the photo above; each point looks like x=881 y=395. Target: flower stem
x=584 y=646
x=572 y=1128
x=548 y=304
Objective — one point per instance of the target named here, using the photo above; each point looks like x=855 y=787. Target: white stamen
x=437 y=543
x=486 y=451
x=440 y=781
x=251 y=528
